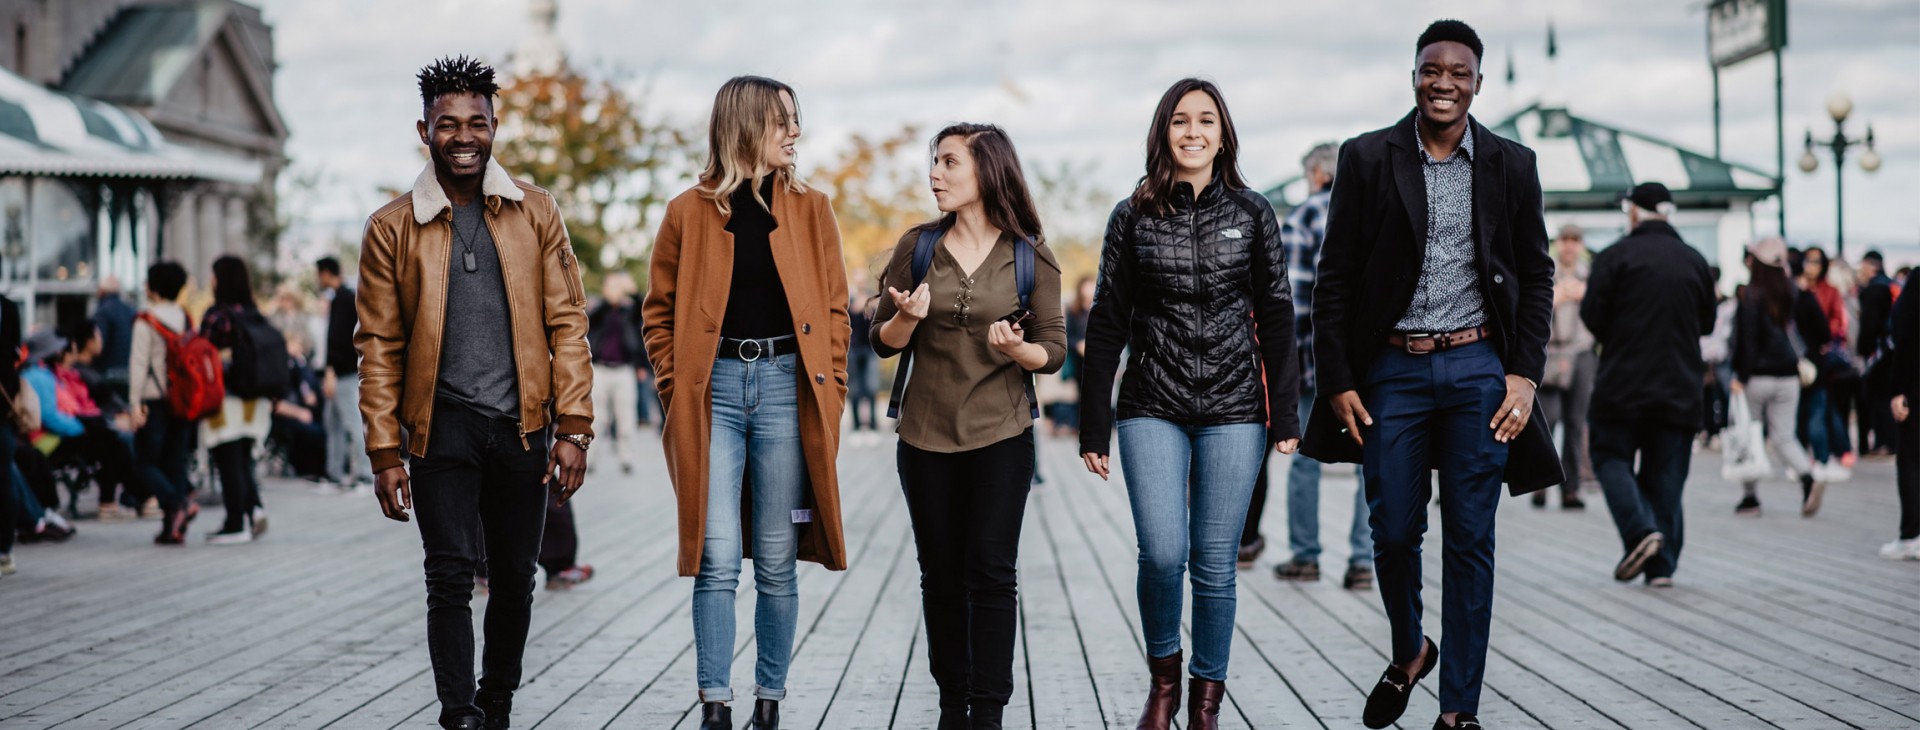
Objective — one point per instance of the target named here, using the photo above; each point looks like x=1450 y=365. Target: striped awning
x=44 y=132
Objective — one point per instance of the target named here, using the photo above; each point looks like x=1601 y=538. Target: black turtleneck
x=757 y=301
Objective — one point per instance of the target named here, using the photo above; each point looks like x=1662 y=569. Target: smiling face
x=954 y=178
x=458 y=133
x=1445 y=78
x=1194 y=134
x=776 y=150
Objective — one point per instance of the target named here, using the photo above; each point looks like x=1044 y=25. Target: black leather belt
x=1423 y=343
x=751 y=350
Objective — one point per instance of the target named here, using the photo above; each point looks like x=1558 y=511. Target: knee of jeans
x=719 y=566
x=1390 y=538
x=1163 y=559
x=1212 y=580
x=449 y=580
x=991 y=579
x=774 y=576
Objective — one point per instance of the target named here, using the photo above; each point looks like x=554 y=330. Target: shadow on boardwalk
x=1777 y=622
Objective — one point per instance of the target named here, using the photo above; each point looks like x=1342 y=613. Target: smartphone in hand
x=1018 y=317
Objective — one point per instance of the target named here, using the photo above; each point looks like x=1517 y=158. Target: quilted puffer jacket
x=1199 y=299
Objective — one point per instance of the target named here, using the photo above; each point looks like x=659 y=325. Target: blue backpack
x=923 y=248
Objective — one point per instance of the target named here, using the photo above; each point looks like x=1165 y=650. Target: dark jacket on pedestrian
x=1876 y=312
x=621 y=321
x=1906 y=346
x=115 y=321
x=1762 y=346
x=1649 y=301
x=342 y=318
x=1370 y=266
x=1199 y=299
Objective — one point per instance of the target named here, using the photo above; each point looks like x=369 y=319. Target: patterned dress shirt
x=1448 y=296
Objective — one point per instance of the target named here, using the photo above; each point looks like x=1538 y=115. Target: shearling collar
x=429 y=199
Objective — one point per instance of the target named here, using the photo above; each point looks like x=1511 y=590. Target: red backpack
x=196 y=385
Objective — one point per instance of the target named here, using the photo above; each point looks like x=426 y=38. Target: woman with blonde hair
x=746 y=326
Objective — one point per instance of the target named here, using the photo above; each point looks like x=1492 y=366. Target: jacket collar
x=429 y=199
x=1647 y=228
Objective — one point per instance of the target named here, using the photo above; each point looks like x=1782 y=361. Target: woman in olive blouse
x=966 y=453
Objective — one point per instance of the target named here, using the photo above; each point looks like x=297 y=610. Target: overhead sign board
x=1741 y=29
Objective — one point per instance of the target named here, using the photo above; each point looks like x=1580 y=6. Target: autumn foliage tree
x=608 y=163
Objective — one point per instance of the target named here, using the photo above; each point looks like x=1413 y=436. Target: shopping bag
x=1746 y=445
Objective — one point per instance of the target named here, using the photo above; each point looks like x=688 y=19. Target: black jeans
x=160 y=452
x=239 y=486
x=1906 y=471
x=476 y=483
x=1648 y=501
x=967 y=508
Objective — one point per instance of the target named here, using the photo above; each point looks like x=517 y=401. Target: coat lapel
x=1409 y=179
x=1489 y=190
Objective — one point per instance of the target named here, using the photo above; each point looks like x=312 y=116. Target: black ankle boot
x=498 y=707
x=953 y=718
x=716 y=716
x=766 y=715
x=985 y=717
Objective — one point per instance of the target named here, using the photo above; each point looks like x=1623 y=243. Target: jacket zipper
x=573 y=282
x=513 y=334
x=1193 y=233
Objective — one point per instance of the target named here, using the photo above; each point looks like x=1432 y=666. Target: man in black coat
x=1649 y=300
x=1431 y=315
x=1876 y=389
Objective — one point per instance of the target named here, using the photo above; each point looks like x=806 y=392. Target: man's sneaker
x=1749 y=507
x=1635 y=560
x=6 y=564
x=240 y=537
x=1896 y=550
x=259 y=519
x=1831 y=473
x=1810 y=495
x=570 y=577
x=1358 y=578
x=1251 y=552
x=1300 y=570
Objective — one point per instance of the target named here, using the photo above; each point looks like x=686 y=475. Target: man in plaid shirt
x=1302 y=233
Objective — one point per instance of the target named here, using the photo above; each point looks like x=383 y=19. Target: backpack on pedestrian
x=259 y=357
x=195 y=384
x=923 y=249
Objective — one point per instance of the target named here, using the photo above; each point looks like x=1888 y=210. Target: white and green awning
x=1585 y=164
x=44 y=132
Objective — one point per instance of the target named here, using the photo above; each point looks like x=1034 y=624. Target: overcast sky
x=1077 y=79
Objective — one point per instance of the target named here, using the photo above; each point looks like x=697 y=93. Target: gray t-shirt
x=476 y=346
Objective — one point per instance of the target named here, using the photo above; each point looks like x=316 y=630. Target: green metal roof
x=145 y=51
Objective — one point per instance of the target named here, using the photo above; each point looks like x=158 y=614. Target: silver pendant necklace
x=471 y=263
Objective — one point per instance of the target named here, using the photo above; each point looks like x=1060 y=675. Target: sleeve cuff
x=570 y=425
x=384 y=459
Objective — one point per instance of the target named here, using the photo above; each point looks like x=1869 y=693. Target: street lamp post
x=1840 y=107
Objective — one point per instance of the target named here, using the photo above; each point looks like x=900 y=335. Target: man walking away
x=347 y=465
x=613 y=328
x=1648 y=302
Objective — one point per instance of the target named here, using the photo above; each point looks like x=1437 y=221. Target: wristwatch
x=578 y=439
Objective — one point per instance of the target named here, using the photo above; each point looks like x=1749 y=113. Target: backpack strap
x=922 y=263
x=1023 y=254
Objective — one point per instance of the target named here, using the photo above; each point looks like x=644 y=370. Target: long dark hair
x=1771 y=290
x=1154 y=194
x=1003 y=187
x=231 y=284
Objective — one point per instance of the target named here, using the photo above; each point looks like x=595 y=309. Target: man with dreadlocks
x=473 y=339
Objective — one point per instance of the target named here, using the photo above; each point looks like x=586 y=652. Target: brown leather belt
x=1426 y=343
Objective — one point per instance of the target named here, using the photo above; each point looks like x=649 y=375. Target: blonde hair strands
x=745 y=110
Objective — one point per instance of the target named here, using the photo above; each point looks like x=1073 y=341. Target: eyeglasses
x=963 y=301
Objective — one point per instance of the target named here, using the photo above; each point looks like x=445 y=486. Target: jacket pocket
x=570 y=272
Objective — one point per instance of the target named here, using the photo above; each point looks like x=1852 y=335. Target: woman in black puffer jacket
x=1193 y=282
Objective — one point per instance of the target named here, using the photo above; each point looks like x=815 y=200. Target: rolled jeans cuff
x=716 y=694
x=774 y=695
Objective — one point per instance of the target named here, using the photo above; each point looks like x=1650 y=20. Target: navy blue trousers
x=1431 y=413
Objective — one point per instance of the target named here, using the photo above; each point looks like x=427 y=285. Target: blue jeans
x=756 y=427
x=1648 y=501
x=1432 y=412
x=1189 y=487
x=1824 y=433
x=1303 y=507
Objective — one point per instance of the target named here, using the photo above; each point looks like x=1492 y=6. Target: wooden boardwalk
x=1777 y=622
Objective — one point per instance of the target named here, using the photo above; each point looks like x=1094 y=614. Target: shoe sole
x=1811 y=506
x=1635 y=562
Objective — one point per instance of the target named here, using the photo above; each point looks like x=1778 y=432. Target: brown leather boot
x=1203 y=704
x=1163 y=693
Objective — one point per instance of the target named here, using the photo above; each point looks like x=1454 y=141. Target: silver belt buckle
x=1413 y=337
x=758 y=350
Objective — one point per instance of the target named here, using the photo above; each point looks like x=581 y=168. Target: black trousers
x=1907 y=475
x=476 y=483
x=239 y=486
x=967 y=508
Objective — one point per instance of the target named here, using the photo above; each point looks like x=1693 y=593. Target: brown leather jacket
x=402 y=304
